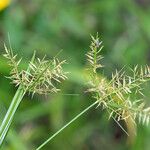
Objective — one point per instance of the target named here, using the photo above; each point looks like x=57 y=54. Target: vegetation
x=48 y=27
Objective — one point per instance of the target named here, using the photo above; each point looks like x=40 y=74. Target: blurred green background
x=48 y=26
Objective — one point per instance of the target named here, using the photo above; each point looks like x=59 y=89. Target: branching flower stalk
x=40 y=77
x=116 y=94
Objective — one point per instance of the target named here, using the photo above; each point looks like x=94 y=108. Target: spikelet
x=14 y=63
x=93 y=56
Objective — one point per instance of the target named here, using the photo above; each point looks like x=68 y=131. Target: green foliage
x=47 y=27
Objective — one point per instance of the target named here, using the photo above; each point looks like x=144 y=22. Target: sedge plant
x=114 y=95
x=41 y=77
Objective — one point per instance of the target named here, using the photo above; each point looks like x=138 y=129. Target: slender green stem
x=10 y=113
x=65 y=126
x=12 y=109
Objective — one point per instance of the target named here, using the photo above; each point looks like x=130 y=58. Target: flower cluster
x=116 y=95
x=41 y=76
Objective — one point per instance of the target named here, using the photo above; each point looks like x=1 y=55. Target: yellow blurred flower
x=4 y=4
